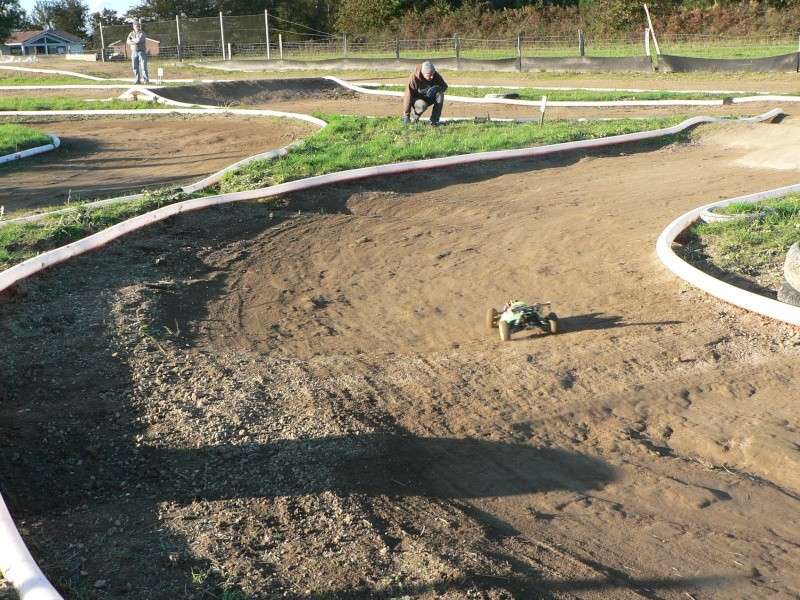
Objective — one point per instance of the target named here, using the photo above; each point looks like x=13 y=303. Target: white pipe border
x=719 y=289
x=32 y=151
x=573 y=103
x=17 y=564
x=15 y=561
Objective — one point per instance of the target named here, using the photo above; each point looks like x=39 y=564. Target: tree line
x=424 y=19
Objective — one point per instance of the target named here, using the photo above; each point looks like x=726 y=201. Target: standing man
x=425 y=87
x=137 y=42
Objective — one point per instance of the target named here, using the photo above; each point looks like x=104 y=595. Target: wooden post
x=280 y=44
x=542 y=108
x=102 y=44
x=266 y=24
x=222 y=35
x=652 y=31
x=178 y=28
x=581 y=43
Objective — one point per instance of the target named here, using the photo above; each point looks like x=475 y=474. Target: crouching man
x=425 y=88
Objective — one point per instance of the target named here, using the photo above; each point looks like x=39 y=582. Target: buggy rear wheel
x=505 y=330
x=491 y=318
x=552 y=319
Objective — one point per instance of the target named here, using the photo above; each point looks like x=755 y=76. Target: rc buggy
x=518 y=316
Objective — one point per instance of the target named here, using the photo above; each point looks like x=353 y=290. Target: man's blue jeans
x=436 y=100
x=139 y=60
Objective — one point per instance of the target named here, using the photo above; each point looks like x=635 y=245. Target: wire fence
x=265 y=36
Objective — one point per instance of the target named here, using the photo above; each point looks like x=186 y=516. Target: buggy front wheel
x=491 y=318
x=552 y=320
x=505 y=330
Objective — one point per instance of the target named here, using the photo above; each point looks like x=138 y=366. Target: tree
x=366 y=15
x=105 y=17
x=168 y=9
x=12 y=17
x=66 y=15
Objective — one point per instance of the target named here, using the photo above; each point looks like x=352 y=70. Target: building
x=50 y=41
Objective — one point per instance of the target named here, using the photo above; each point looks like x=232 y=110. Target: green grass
x=24 y=240
x=755 y=248
x=353 y=142
x=578 y=95
x=45 y=79
x=33 y=103
x=14 y=138
x=347 y=143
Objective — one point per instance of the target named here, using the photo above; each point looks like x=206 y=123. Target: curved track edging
x=719 y=289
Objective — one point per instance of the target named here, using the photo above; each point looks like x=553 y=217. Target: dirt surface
x=302 y=399
x=113 y=156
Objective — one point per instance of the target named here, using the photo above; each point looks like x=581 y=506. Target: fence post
x=581 y=43
x=178 y=28
x=519 y=53
x=222 y=35
x=102 y=44
x=397 y=46
x=280 y=44
x=458 y=47
x=652 y=31
x=344 y=44
x=266 y=24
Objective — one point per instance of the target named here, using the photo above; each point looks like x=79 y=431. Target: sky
x=94 y=5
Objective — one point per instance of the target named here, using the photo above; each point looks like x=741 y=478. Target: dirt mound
x=258 y=92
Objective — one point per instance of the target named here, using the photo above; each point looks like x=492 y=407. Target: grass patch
x=354 y=142
x=14 y=138
x=23 y=240
x=46 y=79
x=579 y=95
x=32 y=103
x=755 y=248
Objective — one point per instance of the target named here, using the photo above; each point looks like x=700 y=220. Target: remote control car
x=518 y=315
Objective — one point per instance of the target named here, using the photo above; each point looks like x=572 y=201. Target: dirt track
x=304 y=401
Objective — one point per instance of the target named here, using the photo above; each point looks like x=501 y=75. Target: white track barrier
x=575 y=103
x=31 y=151
x=17 y=564
x=724 y=291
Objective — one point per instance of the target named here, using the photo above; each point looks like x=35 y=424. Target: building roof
x=23 y=38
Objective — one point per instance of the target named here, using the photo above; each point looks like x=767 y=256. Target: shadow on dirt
x=382 y=464
x=598 y=320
